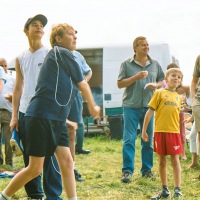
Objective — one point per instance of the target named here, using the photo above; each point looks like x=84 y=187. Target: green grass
x=102 y=171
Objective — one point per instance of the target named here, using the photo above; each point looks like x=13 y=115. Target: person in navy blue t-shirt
x=59 y=81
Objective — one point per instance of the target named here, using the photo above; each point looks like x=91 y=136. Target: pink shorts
x=167 y=143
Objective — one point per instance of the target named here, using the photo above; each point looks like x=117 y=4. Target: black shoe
x=149 y=174
x=78 y=176
x=126 y=177
x=82 y=151
x=163 y=195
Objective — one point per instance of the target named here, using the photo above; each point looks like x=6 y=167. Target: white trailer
x=105 y=63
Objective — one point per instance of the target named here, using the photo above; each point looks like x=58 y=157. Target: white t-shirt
x=30 y=65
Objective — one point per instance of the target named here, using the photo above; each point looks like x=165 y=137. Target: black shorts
x=43 y=136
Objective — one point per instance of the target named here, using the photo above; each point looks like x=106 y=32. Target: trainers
x=163 y=195
x=15 y=143
x=126 y=177
x=78 y=176
x=149 y=174
x=177 y=194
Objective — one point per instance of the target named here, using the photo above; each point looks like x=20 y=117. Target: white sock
x=73 y=198
x=4 y=196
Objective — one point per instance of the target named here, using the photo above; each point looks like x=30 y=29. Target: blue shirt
x=56 y=86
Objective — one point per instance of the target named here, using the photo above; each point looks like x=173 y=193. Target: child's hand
x=72 y=126
x=145 y=137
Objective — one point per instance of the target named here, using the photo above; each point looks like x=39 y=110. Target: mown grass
x=102 y=171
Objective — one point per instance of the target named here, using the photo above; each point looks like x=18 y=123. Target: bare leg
x=72 y=137
x=194 y=160
x=33 y=170
x=183 y=156
x=175 y=162
x=163 y=169
x=65 y=162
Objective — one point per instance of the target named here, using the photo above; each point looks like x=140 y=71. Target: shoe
x=15 y=143
x=78 y=176
x=82 y=151
x=177 y=194
x=163 y=195
x=126 y=177
x=149 y=174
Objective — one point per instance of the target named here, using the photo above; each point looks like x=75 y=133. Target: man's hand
x=95 y=112
x=142 y=75
x=8 y=97
x=151 y=86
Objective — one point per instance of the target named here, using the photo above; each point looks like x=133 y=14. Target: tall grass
x=102 y=171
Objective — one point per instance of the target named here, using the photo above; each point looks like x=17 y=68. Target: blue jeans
x=132 y=118
x=51 y=177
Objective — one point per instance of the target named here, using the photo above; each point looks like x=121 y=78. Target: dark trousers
x=52 y=183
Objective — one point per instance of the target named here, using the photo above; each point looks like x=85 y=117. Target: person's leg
x=176 y=170
x=162 y=161
x=65 y=162
x=34 y=187
x=72 y=137
x=165 y=193
x=183 y=137
x=6 y=117
x=131 y=120
x=31 y=171
x=52 y=183
x=147 y=148
x=1 y=152
x=80 y=139
x=175 y=162
x=193 y=147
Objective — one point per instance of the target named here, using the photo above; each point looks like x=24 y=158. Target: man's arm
x=194 y=86
x=17 y=92
x=129 y=81
x=88 y=76
x=86 y=92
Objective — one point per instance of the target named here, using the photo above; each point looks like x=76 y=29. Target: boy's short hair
x=39 y=17
x=58 y=30
x=172 y=65
x=171 y=70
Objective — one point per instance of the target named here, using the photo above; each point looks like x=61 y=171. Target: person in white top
x=2 y=78
x=28 y=65
x=5 y=113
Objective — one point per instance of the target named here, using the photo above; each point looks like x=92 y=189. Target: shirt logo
x=176 y=147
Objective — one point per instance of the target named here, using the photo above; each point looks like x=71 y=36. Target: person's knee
x=34 y=172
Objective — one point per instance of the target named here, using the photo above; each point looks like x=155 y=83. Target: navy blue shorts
x=43 y=136
x=75 y=114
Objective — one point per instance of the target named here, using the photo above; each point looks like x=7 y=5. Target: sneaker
x=78 y=176
x=149 y=174
x=177 y=194
x=126 y=177
x=163 y=195
x=15 y=143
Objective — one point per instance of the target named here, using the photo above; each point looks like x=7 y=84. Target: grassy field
x=102 y=171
